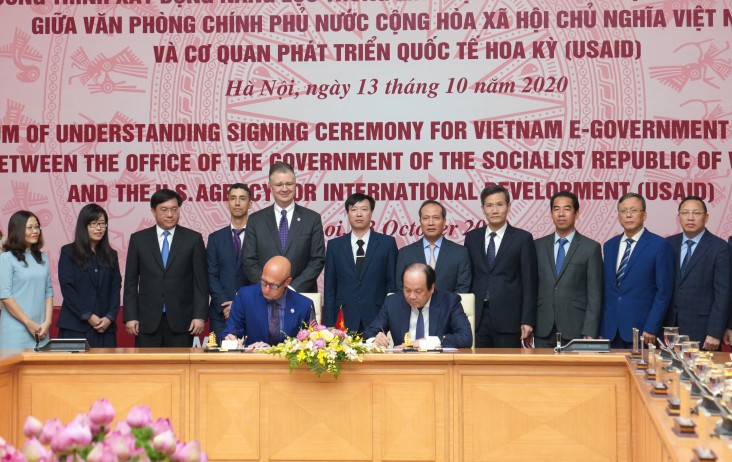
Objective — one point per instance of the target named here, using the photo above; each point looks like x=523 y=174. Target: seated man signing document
x=266 y=312
x=422 y=311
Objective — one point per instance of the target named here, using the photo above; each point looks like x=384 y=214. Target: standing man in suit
x=503 y=259
x=700 y=303
x=224 y=255
x=450 y=261
x=286 y=229
x=359 y=268
x=267 y=312
x=570 y=278
x=639 y=277
x=166 y=288
x=422 y=311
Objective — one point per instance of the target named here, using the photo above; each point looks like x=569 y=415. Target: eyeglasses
x=97 y=224
x=688 y=213
x=166 y=211
x=632 y=212
x=283 y=185
x=272 y=285
x=33 y=228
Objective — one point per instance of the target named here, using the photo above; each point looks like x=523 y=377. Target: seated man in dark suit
x=450 y=261
x=267 y=312
x=422 y=311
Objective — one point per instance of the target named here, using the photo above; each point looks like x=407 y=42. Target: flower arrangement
x=91 y=438
x=322 y=349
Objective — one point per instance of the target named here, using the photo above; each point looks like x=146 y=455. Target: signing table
x=487 y=405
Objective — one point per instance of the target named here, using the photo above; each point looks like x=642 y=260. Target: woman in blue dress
x=25 y=284
x=90 y=280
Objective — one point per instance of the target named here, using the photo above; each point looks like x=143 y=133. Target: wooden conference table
x=482 y=405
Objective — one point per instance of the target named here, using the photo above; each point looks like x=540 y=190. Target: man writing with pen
x=265 y=313
x=421 y=311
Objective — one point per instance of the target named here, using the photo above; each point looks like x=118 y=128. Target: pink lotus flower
x=165 y=442
x=122 y=427
x=162 y=425
x=73 y=437
x=102 y=452
x=101 y=413
x=32 y=427
x=189 y=452
x=10 y=454
x=139 y=416
x=34 y=451
x=120 y=444
x=50 y=428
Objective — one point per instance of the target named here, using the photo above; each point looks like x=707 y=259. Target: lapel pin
x=298 y=218
x=292 y=310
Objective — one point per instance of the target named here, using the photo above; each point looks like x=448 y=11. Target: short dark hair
x=567 y=194
x=164 y=195
x=693 y=198
x=355 y=198
x=15 y=243
x=632 y=195
x=280 y=167
x=493 y=189
x=427 y=269
x=431 y=202
x=240 y=186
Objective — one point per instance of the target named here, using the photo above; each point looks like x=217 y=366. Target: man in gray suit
x=286 y=229
x=570 y=278
x=450 y=261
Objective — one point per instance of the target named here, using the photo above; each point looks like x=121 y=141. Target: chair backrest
x=317 y=302
x=468 y=302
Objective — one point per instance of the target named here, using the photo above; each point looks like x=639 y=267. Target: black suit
x=452 y=266
x=511 y=286
x=182 y=286
x=447 y=320
x=305 y=247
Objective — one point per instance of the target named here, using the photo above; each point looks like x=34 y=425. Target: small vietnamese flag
x=340 y=323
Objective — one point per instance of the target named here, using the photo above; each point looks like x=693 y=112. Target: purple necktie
x=274 y=323
x=284 y=228
x=236 y=239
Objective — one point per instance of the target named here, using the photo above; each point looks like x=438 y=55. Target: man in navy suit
x=422 y=311
x=359 y=268
x=504 y=282
x=286 y=229
x=166 y=288
x=450 y=261
x=267 y=312
x=638 y=275
x=700 y=303
x=224 y=254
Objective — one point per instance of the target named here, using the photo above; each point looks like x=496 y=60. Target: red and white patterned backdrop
x=434 y=90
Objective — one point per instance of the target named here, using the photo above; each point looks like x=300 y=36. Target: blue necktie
x=419 y=331
x=284 y=229
x=623 y=268
x=165 y=252
x=560 y=254
x=491 y=254
x=687 y=257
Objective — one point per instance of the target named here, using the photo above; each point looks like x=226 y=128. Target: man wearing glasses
x=287 y=229
x=638 y=275
x=700 y=304
x=265 y=313
x=166 y=281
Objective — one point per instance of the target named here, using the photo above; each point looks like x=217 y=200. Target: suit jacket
x=700 y=303
x=224 y=276
x=447 y=320
x=305 y=247
x=361 y=294
x=643 y=296
x=512 y=282
x=572 y=300
x=94 y=291
x=452 y=265
x=248 y=315
x=182 y=285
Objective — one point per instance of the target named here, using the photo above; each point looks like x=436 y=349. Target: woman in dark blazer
x=90 y=280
